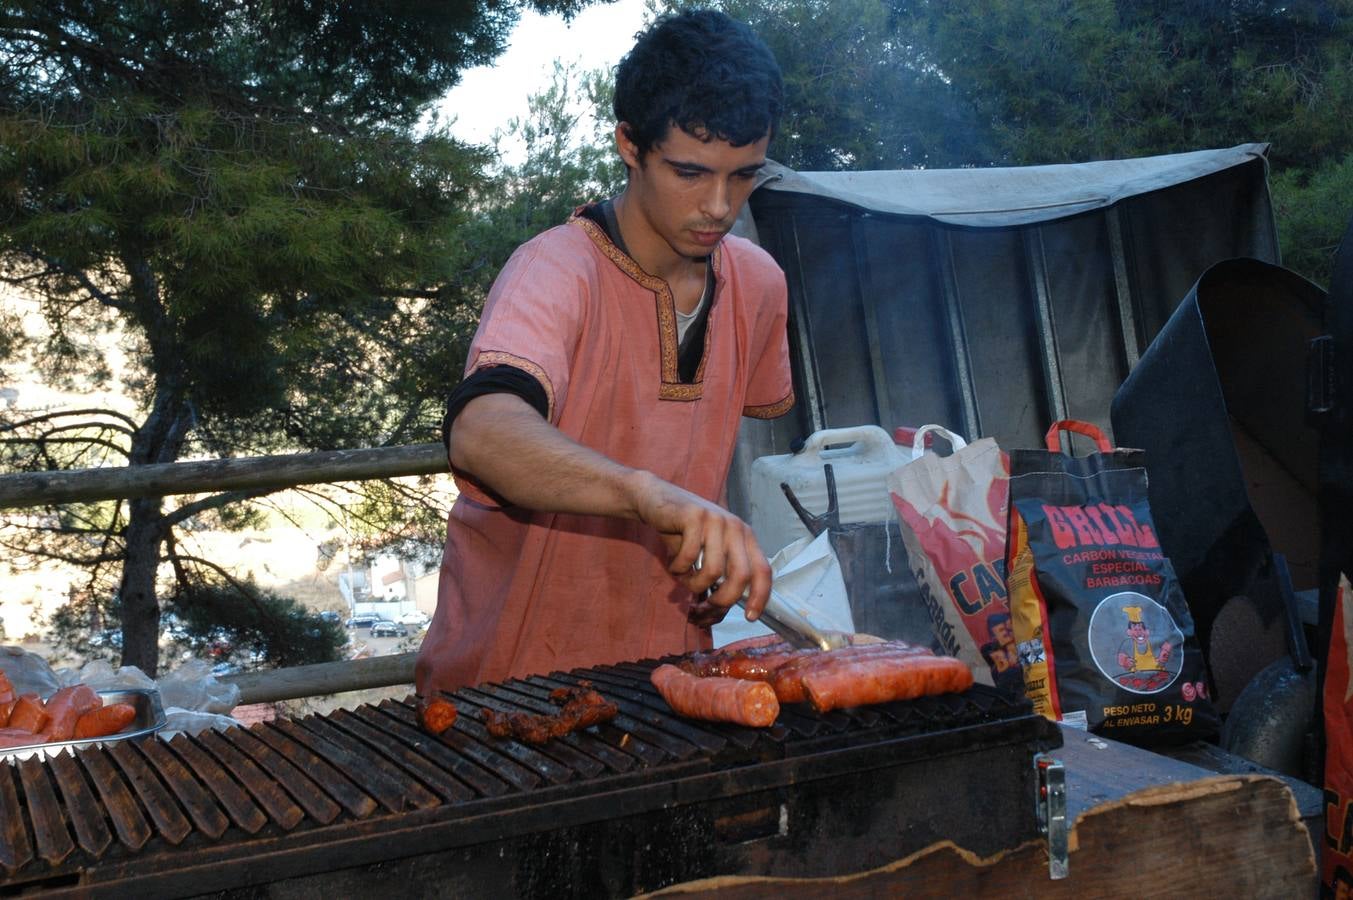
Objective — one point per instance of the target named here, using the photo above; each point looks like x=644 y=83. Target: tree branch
x=94 y=290
x=70 y=412
x=244 y=589
x=215 y=501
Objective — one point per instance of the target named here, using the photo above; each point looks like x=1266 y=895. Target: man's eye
x=687 y=174
x=746 y=176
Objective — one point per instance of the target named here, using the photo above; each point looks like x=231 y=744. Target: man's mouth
x=707 y=238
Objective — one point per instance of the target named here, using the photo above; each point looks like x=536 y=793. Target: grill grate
x=121 y=805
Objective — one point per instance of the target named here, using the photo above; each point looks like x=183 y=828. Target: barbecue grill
x=363 y=800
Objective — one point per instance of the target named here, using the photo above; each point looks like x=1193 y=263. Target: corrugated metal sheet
x=998 y=331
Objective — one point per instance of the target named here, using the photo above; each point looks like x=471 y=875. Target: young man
x=594 y=429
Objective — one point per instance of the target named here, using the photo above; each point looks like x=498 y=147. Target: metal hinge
x=1320 y=379
x=1052 y=812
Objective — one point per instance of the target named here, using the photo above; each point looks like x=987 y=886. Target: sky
x=488 y=96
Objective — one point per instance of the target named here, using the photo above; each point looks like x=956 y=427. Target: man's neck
x=653 y=254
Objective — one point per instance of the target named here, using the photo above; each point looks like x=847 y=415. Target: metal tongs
x=779 y=617
x=794 y=628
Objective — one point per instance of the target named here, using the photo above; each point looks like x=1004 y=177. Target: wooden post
x=204 y=476
x=324 y=678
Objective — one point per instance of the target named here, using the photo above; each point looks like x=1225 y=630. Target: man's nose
x=717 y=202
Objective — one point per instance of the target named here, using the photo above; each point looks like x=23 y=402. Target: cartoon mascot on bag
x=1143 y=669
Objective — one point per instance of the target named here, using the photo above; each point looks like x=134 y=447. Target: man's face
x=1138 y=632
x=687 y=193
x=1002 y=634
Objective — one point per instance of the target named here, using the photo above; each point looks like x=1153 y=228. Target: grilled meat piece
x=581 y=707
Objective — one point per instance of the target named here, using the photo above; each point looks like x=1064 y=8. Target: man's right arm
x=505 y=444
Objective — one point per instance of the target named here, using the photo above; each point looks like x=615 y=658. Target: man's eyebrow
x=688 y=166
x=696 y=167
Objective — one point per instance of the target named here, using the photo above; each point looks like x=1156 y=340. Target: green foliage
x=85 y=628
x=1066 y=82
x=209 y=618
x=897 y=83
x=860 y=92
x=567 y=158
x=1313 y=209
x=241 y=188
x=250 y=626
x=263 y=261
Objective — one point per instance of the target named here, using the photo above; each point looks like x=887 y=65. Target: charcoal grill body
x=362 y=801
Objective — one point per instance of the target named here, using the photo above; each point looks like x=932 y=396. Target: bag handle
x=1054 y=442
x=918 y=441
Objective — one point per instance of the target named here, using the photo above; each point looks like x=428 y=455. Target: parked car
x=386 y=628
x=417 y=618
x=329 y=615
x=362 y=621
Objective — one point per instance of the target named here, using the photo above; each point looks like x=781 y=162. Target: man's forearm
x=504 y=444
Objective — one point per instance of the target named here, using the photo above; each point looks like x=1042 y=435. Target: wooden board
x=1144 y=826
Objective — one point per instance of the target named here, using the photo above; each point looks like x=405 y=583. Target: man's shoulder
x=749 y=260
x=565 y=239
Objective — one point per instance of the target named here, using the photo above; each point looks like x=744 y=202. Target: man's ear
x=625 y=146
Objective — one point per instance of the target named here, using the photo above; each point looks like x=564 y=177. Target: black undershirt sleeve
x=501 y=379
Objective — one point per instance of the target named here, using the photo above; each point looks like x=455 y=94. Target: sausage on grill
x=580 y=707
x=788 y=679
x=717 y=699
x=436 y=714
x=869 y=680
x=757 y=663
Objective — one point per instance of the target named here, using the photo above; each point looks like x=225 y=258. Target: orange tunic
x=526 y=593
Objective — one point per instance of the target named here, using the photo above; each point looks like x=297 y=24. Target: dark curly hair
x=704 y=72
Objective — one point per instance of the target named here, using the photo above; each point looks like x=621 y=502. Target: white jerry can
x=861 y=458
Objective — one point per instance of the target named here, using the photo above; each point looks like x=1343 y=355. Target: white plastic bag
x=952 y=511
x=100 y=675
x=808 y=579
x=28 y=672
x=192 y=687
x=192 y=721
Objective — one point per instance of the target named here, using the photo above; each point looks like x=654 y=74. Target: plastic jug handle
x=865 y=435
x=918 y=442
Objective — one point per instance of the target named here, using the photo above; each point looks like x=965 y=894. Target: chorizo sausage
x=436 y=714
x=788 y=679
x=717 y=699
x=882 y=679
x=65 y=708
x=7 y=695
x=28 y=715
x=104 y=721
x=18 y=737
x=755 y=663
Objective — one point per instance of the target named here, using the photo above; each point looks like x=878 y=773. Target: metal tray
x=149 y=719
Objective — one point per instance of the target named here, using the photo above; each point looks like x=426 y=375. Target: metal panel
x=899 y=320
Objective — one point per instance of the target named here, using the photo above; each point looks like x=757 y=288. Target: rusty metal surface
x=166 y=804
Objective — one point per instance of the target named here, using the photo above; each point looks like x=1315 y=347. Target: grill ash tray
x=149 y=719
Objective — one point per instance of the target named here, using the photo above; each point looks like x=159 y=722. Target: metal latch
x=1052 y=812
x=1320 y=378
